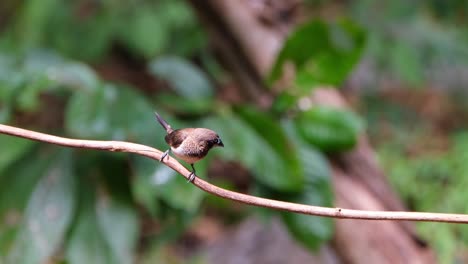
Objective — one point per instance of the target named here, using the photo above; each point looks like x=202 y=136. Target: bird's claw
x=166 y=153
x=191 y=177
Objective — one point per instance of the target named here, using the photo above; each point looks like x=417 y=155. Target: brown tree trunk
x=248 y=36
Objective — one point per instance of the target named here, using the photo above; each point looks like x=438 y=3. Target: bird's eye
x=218 y=141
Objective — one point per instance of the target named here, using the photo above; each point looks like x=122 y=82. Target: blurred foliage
x=321 y=53
x=329 y=129
x=414 y=41
x=87 y=30
x=425 y=165
x=82 y=206
x=442 y=182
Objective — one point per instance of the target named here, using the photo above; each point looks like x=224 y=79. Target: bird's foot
x=166 y=153
x=191 y=177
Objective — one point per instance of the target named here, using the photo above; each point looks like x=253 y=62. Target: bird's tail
x=163 y=123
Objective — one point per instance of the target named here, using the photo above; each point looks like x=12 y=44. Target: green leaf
x=106 y=216
x=118 y=223
x=143 y=189
x=322 y=53
x=86 y=243
x=284 y=101
x=14 y=148
x=67 y=31
x=144 y=31
x=156 y=180
x=29 y=99
x=48 y=214
x=185 y=106
x=32 y=21
x=275 y=136
x=18 y=180
x=329 y=129
x=185 y=78
x=311 y=231
x=73 y=75
x=253 y=148
x=39 y=72
x=314 y=164
x=112 y=112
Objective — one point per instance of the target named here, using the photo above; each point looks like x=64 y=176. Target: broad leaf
x=159 y=181
x=185 y=106
x=106 y=227
x=32 y=21
x=185 y=78
x=38 y=72
x=18 y=180
x=329 y=129
x=113 y=112
x=118 y=223
x=144 y=32
x=86 y=243
x=322 y=53
x=48 y=214
x=256 y=151
x=311 y=231
x=14 y=148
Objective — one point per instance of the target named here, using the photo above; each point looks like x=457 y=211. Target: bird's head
x=217 y=142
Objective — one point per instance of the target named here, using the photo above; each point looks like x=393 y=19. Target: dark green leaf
x=329 y=129
x=284 y=101
x=185 y=78
x=107 y=215
x=32 y=21
x=118 y=224
x=311 y=231
x=143 y=188
x=273 y=133
x=112 y=112
x=16 y=184
x=251 y=147
x=48 y=214
x=157 y=180
x=74 y=76
x=38 y=72
x=185 y=106
x=323 y=54
x=28 y=99
x=144 y=31
x=87 y=243
x=13 y=149
x=68 y=32
x=316 y=171
x=313 y=162
x=18 y=180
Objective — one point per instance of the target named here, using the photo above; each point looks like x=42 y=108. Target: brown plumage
x=189 y=144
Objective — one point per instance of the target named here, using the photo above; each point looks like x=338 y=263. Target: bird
x=189 y=144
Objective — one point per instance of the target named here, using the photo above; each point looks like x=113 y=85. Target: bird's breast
x=189 y=153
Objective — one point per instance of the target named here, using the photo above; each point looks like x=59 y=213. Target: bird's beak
x=221 y=143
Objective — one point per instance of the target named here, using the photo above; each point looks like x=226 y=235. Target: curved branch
x=155 y=154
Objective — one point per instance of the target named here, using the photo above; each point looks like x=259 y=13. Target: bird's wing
x=176 y=138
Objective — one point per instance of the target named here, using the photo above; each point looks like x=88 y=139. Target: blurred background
x=296 y=90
